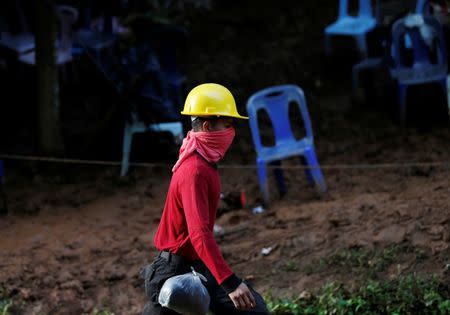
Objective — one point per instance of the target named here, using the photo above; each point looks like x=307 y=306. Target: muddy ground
x=76 y=236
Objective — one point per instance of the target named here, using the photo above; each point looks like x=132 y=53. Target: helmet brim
x=216 y=115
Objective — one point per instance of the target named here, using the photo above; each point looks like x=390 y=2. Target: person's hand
x=242 y=298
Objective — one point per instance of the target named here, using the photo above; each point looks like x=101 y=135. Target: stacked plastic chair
x=387 y=60
x=356 y=27
x=422 y=68
x=276 y=101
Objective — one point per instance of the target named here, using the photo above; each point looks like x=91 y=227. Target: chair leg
x=362 y=46
x=127 y=140
x=355 y=78
x=316 y=173
x=262 y=176
x=402 y=94
x=278 y=172
x=308 y=173
x=327 y=45
x=445 y=88
x=371 y=63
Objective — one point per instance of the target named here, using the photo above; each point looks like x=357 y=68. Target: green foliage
x=101 y=312
x=5 y=306
x=6 y=303
x=405 y=295
x=290 y=266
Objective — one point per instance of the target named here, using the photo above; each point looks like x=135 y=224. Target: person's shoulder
x=196 y=166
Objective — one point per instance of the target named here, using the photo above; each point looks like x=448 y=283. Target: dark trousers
x=163 y=268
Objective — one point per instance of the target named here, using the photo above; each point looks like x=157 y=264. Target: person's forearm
x=207 y=249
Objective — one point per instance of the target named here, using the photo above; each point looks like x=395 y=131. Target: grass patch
x=101 y=312
x=5 y=306
x=404 y=295
x=8 y=305
x=290 y=266
x=361 y=260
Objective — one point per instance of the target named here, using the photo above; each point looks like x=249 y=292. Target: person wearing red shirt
x=185 y=236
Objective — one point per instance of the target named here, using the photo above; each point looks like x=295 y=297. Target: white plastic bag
x=185 y=294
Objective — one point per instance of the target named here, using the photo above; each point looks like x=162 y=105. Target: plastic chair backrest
x=420 y=49
x=343 y=8
x=276 y=101
x=365 y=8
x=422 y=7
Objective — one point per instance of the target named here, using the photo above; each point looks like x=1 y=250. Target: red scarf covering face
x=210 y=145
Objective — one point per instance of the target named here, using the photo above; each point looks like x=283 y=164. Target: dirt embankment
x=81 y=242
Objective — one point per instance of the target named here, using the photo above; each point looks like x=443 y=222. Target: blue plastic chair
x=352 y=26
x=275 y=101
x=422 y=7
x=422 y=68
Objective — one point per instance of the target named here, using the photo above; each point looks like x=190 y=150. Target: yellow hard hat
x=211 y=99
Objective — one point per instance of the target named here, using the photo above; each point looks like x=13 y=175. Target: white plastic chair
x=137 y=126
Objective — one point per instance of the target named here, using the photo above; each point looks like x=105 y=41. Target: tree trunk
x=49 y=131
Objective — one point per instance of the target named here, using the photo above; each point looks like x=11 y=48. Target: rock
x=67 y=295
x=25 y=293
x=446 y=236
x=36 y=309
x=70 y=304
x=366 y=207
x=436 y=232
x=87 y=306
x=305 y=295
x=64 y=276
x=113 y=272
x=391 y=234
x=40 y=271
x=420 y=239
x=48 y=281
x=73 y=285
x=439 y=248
x=67 y=254
x=37 y=241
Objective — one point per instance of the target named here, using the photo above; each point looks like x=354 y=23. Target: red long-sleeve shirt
x=187 y=222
